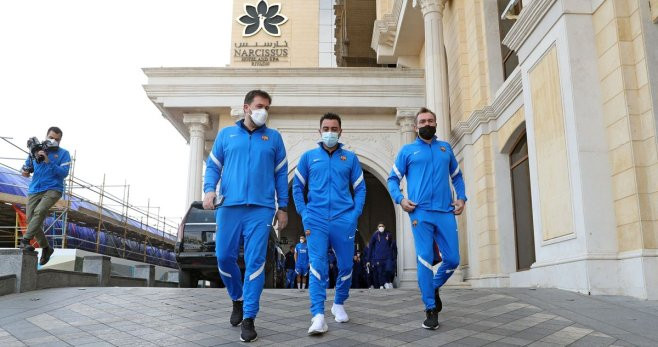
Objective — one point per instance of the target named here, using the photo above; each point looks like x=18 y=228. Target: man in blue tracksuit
x=250 y=159
x=430 y=166
x=301 y=262
x=329 y=214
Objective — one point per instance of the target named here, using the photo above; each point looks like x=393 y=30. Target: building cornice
x=481 y=118
x=529 y=19
x=375 y=72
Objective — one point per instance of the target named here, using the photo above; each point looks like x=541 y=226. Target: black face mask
x=427 y=132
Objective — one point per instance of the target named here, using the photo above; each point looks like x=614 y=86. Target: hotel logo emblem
x=262 y=16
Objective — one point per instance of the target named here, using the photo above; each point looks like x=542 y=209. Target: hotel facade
x=551 y=107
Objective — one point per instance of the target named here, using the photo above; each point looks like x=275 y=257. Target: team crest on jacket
x=56 y=156
x=415 y=222
x=264 y=137
x=443 y=149
x=342 y=157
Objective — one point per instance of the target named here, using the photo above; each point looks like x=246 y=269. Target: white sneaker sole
x=429 y=328
x=336 y=318
x=319 y=332
x=254 y=340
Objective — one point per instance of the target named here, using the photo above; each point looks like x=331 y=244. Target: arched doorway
x=523 y=227
x=378 y=208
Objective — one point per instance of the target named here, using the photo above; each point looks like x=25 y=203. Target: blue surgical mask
x=330 y=139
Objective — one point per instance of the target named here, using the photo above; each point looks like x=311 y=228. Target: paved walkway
x=199 y=317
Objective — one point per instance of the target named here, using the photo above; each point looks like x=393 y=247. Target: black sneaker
x=437 y=300
x=45 y=255
x=248 y=331
x=432 y=321
x=25 y=244
x=236 y=315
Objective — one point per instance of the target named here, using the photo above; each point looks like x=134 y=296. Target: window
x=508 y=12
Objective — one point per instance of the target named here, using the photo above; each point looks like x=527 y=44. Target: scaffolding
x=119 y=226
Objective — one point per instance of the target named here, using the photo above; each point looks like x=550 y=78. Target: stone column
x=21 y=263
x=197 y=123
x=146 y=272
x=100 y=265
x=436 y=77
x=406 y=250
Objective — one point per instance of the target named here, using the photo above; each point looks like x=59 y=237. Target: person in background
x=382 y=253
x=290 y=267
x=301 y=262
x=50 y=168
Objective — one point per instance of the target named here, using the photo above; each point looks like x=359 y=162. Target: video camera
x=34 y=146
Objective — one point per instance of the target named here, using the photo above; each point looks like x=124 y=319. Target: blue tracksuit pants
x=253 y=223
x=290 y=278
x=429 y=227
x=339 y=233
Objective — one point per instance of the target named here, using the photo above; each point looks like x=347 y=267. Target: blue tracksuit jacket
x=429 y=169
x=249 y=157
x=49 y=176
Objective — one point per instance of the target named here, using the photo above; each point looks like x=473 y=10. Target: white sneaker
x=318 y=325
x=389 y=285
x=339 y=313
x=381 y=287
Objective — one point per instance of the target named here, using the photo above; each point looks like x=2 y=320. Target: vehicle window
x=201 y=216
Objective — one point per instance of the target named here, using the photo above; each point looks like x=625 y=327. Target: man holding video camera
x=50 y=165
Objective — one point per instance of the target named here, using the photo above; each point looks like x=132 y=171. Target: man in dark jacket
x=382 y=252
x=290 y=267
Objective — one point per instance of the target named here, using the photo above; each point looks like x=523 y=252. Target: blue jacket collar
x=240 y=123
x=340 y=147
x=421 y=142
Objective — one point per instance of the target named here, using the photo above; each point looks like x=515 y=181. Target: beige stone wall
x=484 y=207
x=300 y=32
x=384 y=7
x=628 y=116
x=551 y=148
x=654 y=10
x=507 y=130
x=466 y=52
x=462 y=229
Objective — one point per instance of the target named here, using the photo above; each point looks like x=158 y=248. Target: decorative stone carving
x=428 y=6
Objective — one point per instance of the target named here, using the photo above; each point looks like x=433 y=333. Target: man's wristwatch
x=284 y=209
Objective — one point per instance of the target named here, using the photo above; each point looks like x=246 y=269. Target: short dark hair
x=56 y=130
x=292 y=246
x=249 y=98
x=330 y=115
x=424 y=110
x=302 y=235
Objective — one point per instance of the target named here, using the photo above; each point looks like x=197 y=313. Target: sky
x=77 y=65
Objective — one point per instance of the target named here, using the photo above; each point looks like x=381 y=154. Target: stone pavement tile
x=344 y=342
x=96 y=344
x=501 y=331
x=281 y=337
x=469 y=341
x=41 y=340
x=516 y=341
x=214 y=341
x=387 y=342
x=545 y=344
x=533 y=334
x=500 y=344
x=592 y=341
x=415 y=335
x=488 y=337
x=23 y=330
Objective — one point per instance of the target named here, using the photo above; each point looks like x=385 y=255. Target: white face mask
x=301 y=240
x=259 y=116
x=381 y=229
